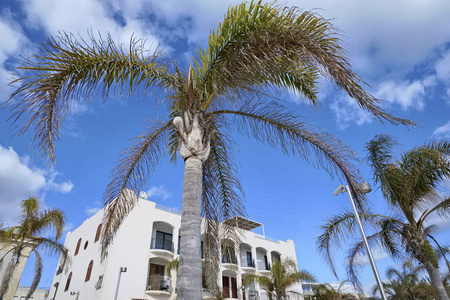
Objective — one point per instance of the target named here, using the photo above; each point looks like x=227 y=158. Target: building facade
x=135 y=267
x=6 y=254
x=22 y=292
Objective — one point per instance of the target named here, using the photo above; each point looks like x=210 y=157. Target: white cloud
x=406 y=94
x=79 y=17
x=19 y=180
x=91 y=210
x=157 y=191
x=443 y=67
x=12 y=43
x=347 y=111
x=442 y=131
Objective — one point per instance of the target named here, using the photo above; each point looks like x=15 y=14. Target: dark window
x=85 y=245
x=97 y=235
x=249 y=259
x=89 y=270
x=78 y=246
x=163 y=241
x=68 y=282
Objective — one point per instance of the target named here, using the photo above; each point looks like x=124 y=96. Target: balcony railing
x=229 y=259
x=159 y=283
x=162 y=245
x=247 y=263
x=263 y=265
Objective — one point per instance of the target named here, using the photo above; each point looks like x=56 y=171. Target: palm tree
x=326 y=291
x=402 y=284
x=409 y=186
x=256 y=50
x=23 y=239
x=283 y=275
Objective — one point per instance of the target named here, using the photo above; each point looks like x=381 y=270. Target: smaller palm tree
x=326 y=291
x=283 y=275
x=26 y=238
x=402 y=284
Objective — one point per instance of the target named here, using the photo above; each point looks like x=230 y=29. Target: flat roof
x=242 y=223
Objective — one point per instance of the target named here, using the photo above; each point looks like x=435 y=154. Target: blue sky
x=401 y=49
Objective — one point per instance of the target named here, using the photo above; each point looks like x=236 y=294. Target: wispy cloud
x=442 y=131
x=157 y=191
x=347 y=111
x=91 y=210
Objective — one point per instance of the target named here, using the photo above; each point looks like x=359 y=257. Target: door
x=226 y=286
x=156 y=276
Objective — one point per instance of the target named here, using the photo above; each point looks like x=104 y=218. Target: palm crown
x=257 y=49
x=26 y=237
x=409 y=186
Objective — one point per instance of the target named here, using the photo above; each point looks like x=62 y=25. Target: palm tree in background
x=409 y=185
x=21 y=240
x=283 y=275
x=326 y=291
x=402 y=284
x=407 y=283
x=257 y=50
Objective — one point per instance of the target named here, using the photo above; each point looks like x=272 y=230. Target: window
x=78 y=246
x=229 y=287
x=86 y=244
x=68 y=282
x=163 y=241
x=89 y=271
x=99 y=231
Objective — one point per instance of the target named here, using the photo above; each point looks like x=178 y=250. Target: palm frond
x=272 y=125
x=51 y=218
x=221 y=200
x=261 y=45
x=67 y=68
x=136 y=165
x=37 y=274
x=9 y=271
x=337 y=229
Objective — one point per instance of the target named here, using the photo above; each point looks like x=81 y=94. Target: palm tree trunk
x=189 y=281
x=436 y=281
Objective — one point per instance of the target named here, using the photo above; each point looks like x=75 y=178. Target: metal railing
x=263 y=266
x=159 y=283
x=169 y=209
x=247 y=263
x=229 y=259
x=163 y=245
x=260 y=236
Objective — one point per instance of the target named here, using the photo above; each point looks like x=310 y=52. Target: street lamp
x=74 y=293
x=363 y=188
x=122 y=270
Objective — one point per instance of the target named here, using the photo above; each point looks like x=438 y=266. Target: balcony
x=229 y=262
x=162 y=247
x=247 y=263
x=159 y=285
x=263 y=266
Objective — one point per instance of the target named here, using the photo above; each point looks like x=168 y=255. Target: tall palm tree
x=409 y=186
x=25 y=238
x=256 y=50
x=283 y=275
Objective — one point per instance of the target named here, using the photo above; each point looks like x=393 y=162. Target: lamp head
x=363 y=187
x=339 y=190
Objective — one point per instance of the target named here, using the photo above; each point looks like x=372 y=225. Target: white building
x=22 y=292
x=146 y=242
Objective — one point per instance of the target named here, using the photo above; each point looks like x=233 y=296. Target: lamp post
x=364 y=188
x=122 y=270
